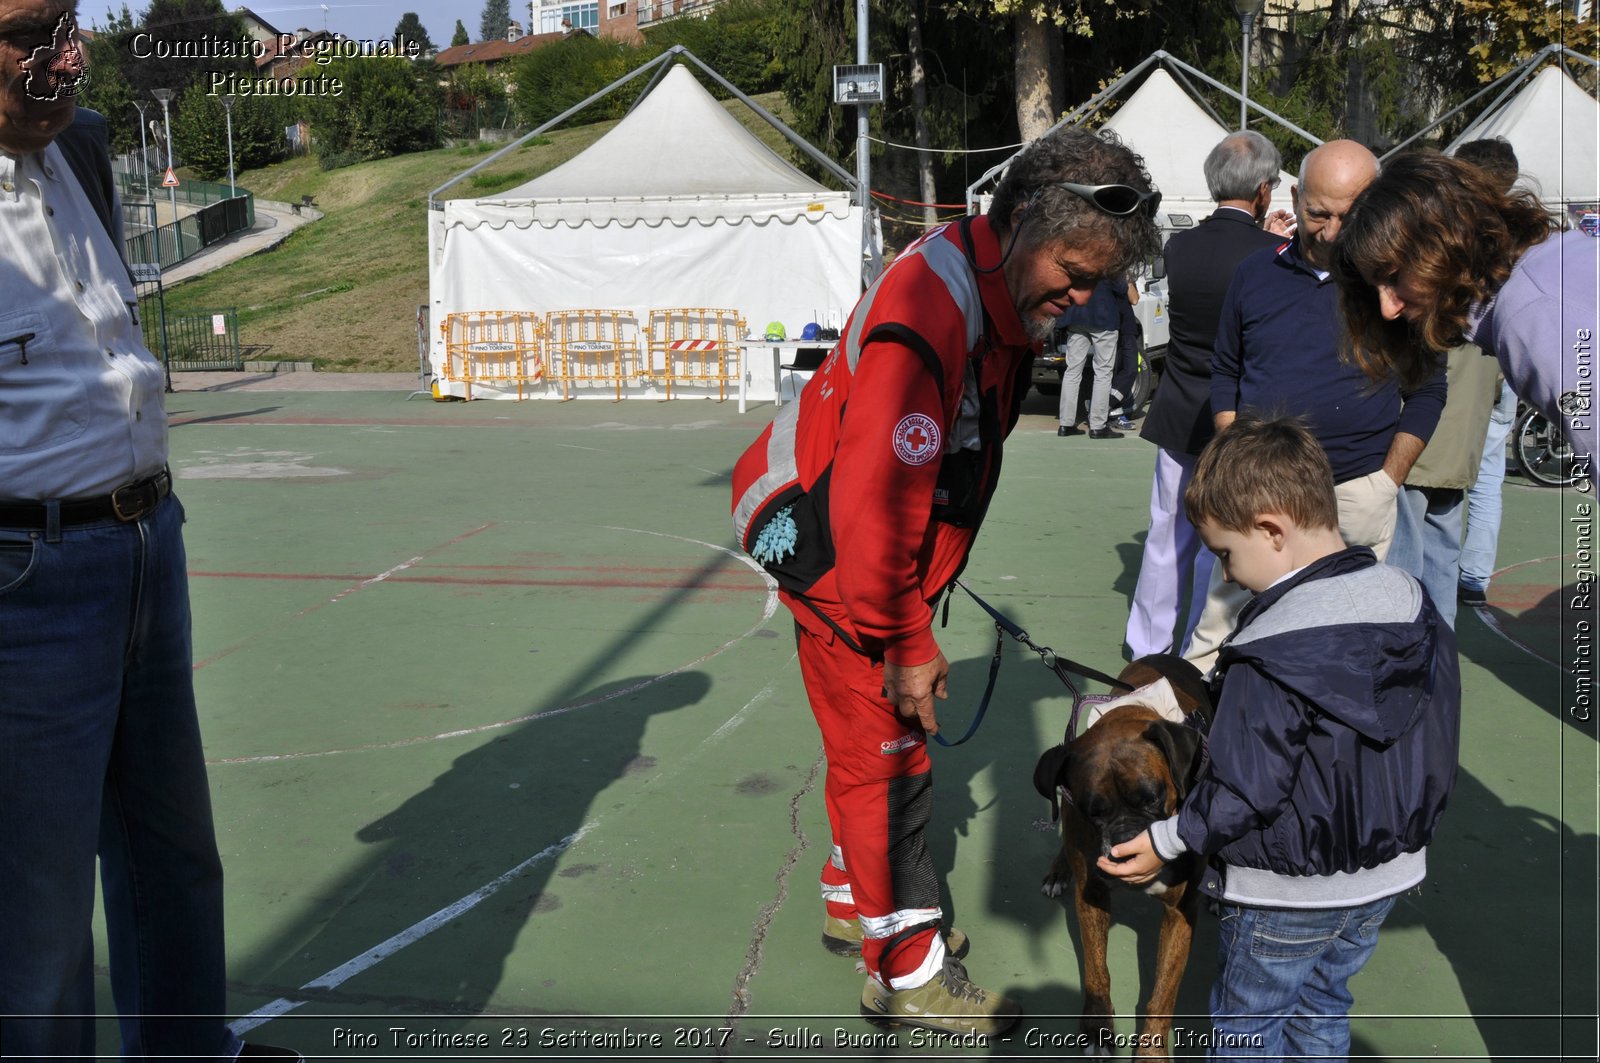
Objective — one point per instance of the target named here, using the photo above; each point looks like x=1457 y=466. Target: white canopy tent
x=1554 y=127
x=677 y=206
x=1165 y=122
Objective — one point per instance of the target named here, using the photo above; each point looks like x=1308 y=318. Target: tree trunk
x=919 y=103
x=1036 y=104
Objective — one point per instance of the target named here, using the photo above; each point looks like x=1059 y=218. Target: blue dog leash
x=1061 y=666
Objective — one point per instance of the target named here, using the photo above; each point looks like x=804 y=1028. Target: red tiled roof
x=494 y=51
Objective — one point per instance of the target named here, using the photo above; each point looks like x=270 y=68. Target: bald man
x=1277 y=352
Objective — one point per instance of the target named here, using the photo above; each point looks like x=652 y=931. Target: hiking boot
x=949 y=1002
x=842 y=937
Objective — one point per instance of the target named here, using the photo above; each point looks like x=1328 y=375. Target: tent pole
x=1254 y=106
x=795 y=138
x=557 y=120
x=1072 y=117
x=871 y=259
x=1511 y=77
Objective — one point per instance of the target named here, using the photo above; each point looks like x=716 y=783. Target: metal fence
x=221 y=214
x=205 y=339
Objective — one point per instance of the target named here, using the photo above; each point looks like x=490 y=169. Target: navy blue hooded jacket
x=1335 y=741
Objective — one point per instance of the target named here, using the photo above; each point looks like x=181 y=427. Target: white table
x=777 y=347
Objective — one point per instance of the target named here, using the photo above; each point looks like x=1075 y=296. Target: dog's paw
x=1055 y=885
x=1097 y=1051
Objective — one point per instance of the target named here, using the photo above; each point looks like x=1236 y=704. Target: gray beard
x=1039 y=331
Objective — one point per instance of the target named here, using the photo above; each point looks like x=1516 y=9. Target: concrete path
x=273 y=225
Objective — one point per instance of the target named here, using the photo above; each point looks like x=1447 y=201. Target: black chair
x=806 y=360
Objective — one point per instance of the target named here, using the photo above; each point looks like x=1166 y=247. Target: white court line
x=409 y=936
x=379 y=578
x=419 y=930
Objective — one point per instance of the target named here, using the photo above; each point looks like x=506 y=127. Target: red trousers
x=879 y=794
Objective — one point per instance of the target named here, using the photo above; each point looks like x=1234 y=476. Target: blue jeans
x=1282 y=981
x=100 y=756
x=1427 y=542
x=1483 y=499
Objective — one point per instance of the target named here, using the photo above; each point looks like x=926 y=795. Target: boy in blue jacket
x=1332 y=753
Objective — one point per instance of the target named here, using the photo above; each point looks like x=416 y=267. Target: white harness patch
x=1158 y=696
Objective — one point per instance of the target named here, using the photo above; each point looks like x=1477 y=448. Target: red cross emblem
x=916 y=439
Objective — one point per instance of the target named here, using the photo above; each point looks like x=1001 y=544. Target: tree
x=183 y=28
x=108 y=89
x=200 y=131
x=459 y=37
x=551 y=79
x=495 y=21
x=386 y=108
x=476 y=99
x=735 y=39
x=409 y=28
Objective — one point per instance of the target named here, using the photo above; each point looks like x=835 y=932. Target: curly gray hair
x=1031 y=185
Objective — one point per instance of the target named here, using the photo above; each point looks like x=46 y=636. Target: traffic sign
x=171 y=180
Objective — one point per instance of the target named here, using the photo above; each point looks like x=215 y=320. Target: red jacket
x=892 y=450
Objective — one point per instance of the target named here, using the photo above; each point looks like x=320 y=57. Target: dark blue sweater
x=1277 y=352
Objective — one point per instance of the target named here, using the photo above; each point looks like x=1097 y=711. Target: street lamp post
x=165 y=96
x=144 y=148
x=1248 y=10
x=227 y=107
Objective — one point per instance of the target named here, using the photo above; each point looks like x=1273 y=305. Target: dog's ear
x=1180 y=744
x=1051 y=772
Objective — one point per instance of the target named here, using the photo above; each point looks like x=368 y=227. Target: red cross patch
x=916 y=439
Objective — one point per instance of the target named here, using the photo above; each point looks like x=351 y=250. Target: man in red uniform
x=863 y=497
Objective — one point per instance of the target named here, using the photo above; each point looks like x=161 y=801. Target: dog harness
x=1158 y=696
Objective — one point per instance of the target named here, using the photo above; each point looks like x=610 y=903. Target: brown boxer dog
x=1128 y=770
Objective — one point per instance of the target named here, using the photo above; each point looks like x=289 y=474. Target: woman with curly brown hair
x=1435 y=253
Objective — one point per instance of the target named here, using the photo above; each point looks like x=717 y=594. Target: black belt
x=127 y=503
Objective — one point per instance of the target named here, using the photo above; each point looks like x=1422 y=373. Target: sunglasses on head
x=1117 y=200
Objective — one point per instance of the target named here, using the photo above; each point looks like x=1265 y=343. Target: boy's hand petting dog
x=1134 y=861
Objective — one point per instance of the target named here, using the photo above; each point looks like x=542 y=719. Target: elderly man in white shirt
x=100 y=753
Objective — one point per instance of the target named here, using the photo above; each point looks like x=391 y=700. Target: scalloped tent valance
x=677 y=206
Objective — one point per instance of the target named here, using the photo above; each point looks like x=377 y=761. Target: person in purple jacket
x=1434 y=253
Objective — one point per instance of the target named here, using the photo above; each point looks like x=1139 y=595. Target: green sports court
x=511 y=759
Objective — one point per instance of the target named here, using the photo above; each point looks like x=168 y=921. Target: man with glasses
x=1278 y=352
x=863 y=499
x=100 y=753
x=1241 y=172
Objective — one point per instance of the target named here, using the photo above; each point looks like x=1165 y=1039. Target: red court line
x=359 y=584
x=304 y=420
x=488 y=581
x=246 y=421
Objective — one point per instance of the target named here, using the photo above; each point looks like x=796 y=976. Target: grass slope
x=343 y=292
